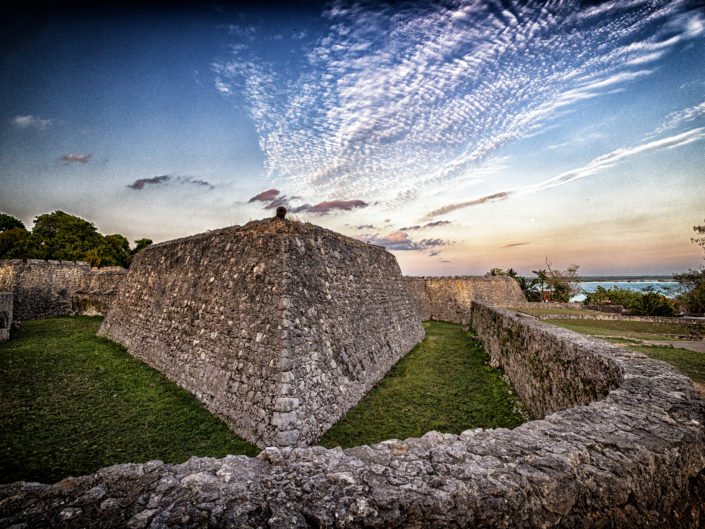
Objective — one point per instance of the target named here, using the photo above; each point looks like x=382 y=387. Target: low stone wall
x=550 y=369
x=41 y=289
x=546 y=305
x=5 y=315
x=98 y=290
x=622 y=317
x=633 y=458
x=449 y=298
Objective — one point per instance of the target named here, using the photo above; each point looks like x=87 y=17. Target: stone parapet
x=622 y=317
x=632 y=458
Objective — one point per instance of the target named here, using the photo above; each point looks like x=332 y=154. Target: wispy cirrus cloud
x=515 y=244
x=680 y=117
x=80 y=158
x=389 y=99
x=427 y=225
x=163 y=179
x=494 y=197
x=30 y=121
x=597 y=165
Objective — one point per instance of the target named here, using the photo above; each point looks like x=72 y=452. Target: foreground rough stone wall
x=632 y=459
x=41 y=289
x=449 y=298
x=5 y=315
x=98 y=289
x=279 y=327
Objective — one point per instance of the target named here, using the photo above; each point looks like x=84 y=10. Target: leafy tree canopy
x=65 y=237
x=8 y=222
x=692 y=282
x=647 y=303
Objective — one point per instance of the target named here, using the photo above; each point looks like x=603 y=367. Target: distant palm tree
x=542 y=277
x=528 y=287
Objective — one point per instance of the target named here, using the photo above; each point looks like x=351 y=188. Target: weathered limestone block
x=279 y=327
x=98 y=289
x=633 y=458
x=449 y=298
x=41 y=289
x=5 y=315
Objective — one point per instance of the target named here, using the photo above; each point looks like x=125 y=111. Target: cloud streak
x=163 y=179
x=597 y=165
x=35 y=122
x=323 y=208
x=80 y=158
x=400 y=241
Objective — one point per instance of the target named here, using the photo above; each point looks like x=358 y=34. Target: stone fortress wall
x=46 y=289
x=626 y=448
x=448 y=298
x=278 y=327
x=5 y=315
x=98 y=290
x=41 y=289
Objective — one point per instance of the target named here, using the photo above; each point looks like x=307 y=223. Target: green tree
x=564 y=284
x=8 y=222
x=59 y=235
x=528 y=287
x=116 y=250
x=12 y=243
x=648 y=303
x=140 y=244
x=692 y=283
x=542 y=276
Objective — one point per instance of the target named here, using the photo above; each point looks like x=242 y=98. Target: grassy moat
x=71 y=403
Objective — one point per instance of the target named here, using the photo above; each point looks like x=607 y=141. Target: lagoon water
x=660 y=287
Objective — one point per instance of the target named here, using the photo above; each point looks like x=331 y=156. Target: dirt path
x=693 y=345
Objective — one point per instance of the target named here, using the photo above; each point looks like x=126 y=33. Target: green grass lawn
x=644 y=330
x=71 y=403
x=443 y=384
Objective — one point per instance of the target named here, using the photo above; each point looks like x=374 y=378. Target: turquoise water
x=660 y=287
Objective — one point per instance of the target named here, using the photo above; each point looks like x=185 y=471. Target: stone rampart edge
x=632 y=459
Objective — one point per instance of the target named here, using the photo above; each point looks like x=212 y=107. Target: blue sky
x=460 y=135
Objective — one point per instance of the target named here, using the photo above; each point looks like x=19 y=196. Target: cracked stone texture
x=98 y=290
x=449 y=298
x=633 y=458
x=5 y=315
x=278 y=327
x=41 y=289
